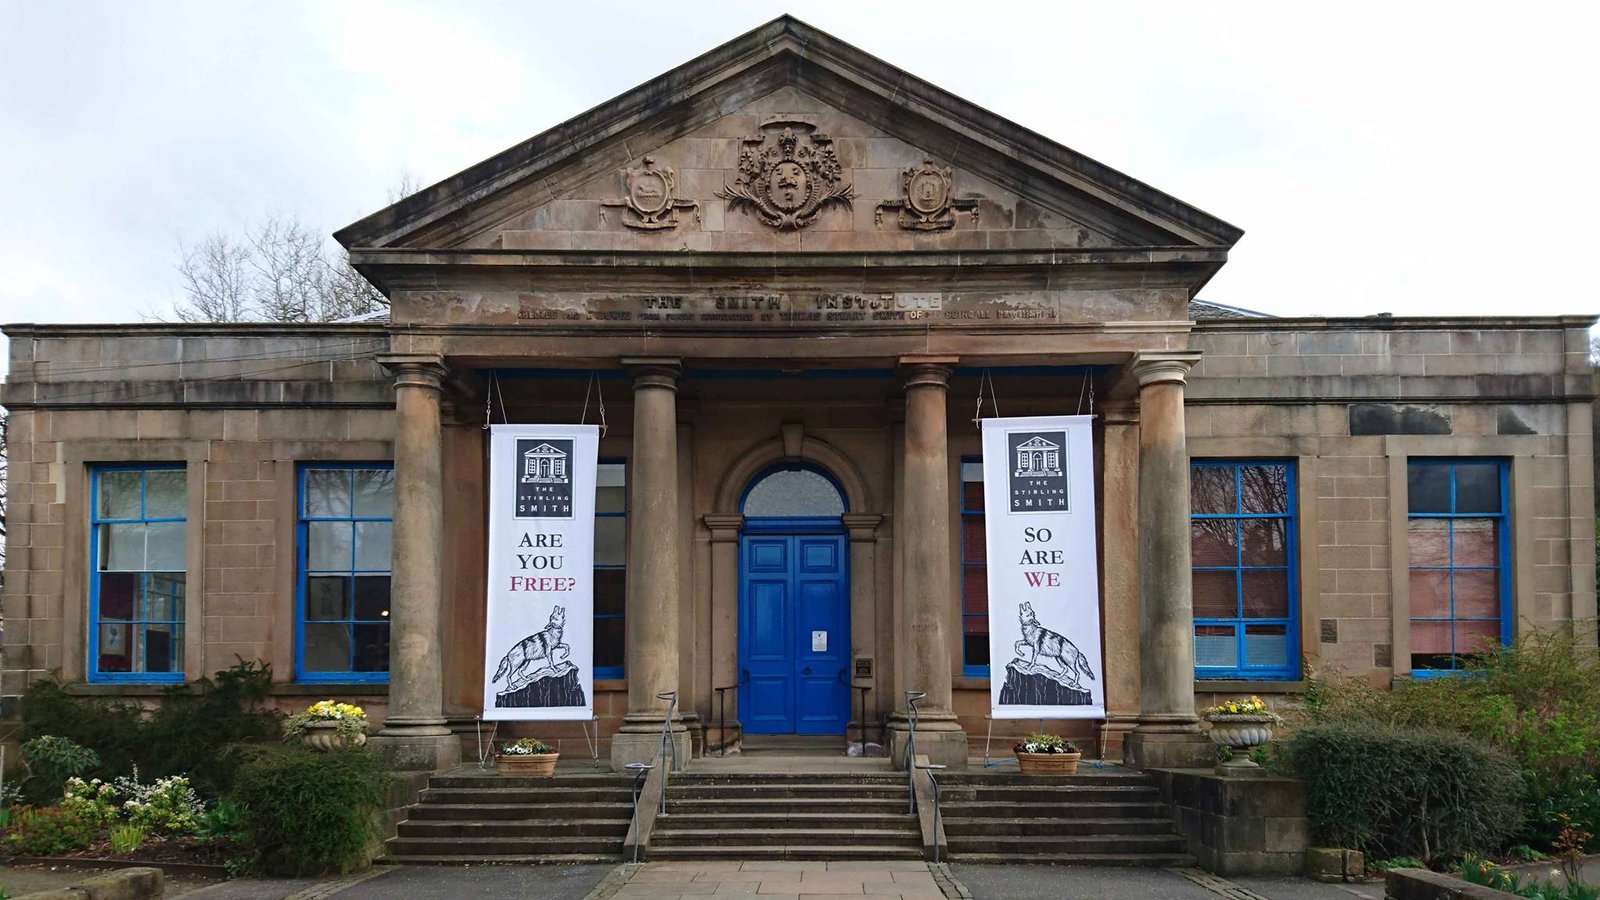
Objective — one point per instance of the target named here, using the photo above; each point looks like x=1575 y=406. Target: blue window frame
x=343 y=546
x=1244 y=569
x=974 y=573
x=138 y=547
x=610 y=568
x=1458 y=545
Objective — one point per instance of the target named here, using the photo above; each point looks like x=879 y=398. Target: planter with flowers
x=1047 y=754
x=327 y=724
x=528 y=757
x=1240 y=725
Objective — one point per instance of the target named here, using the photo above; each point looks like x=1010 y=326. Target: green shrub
x=49 y=831
x=167 y=807
x=52 y=760
x=1538 y=700
x=310 y=813
x=1393 y=792
x=186 y=735
x=93 y=801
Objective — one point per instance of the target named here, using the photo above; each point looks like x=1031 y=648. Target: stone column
x=414 y=736
x=654 y=548
x=1168 y=734
x=926 y=580
x=1119 y=570
x=724 y=530
x=863 y=531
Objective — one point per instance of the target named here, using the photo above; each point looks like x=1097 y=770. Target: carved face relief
x=787 y=182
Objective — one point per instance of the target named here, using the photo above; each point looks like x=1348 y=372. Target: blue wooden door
x=794 y=634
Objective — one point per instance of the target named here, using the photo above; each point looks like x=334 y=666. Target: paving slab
x=453 y=882
x=19 y=880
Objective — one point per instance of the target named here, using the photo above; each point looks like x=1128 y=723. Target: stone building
x=781 y=275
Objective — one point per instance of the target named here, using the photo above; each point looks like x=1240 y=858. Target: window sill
x=1238 y=686
x=282 y=689
x=611 y=684
x=970 y=683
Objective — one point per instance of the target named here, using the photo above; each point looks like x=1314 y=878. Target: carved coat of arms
x=788 y=181
x=926 y=203
x=650 y=197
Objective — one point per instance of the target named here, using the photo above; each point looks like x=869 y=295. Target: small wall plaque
x=863 y=667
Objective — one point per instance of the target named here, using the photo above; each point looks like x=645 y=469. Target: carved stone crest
x=925 y=203
x=788 y=180
x=650 y=197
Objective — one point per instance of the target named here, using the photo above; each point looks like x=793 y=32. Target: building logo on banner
x=544 y=479
x=1044 y=615
x=1038 y=481
x=539 y=641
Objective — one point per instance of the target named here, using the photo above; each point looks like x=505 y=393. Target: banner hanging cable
x=994 y=402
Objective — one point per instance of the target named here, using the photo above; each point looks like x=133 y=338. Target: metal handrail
x=640 y=771
x=911 y=746
x=863 y=688
x=933 y=769
x=722 y=710
x=668 y=747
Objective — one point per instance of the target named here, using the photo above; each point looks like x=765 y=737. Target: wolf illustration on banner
x=534 y=676
x=1030 y=682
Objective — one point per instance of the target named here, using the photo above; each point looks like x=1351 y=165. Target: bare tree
x=279 y=271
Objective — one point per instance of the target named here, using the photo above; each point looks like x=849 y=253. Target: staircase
x=756 y=816
x=473 y=818
x=1111 y=818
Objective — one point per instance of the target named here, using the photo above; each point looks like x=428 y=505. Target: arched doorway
x=794 y=604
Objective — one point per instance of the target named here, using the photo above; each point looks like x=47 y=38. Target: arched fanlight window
x=793 y=492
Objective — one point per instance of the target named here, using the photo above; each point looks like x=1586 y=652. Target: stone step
x=843 y=838
x=973 y=809
x=614 y=782
x=1121 y=860
x=550 y=812
x=890 y=778
x=472 y=830
x=573 y=796
x=841 y=792
x=1006 y=825
x=492 y=847
x=475 y=859
x=688 y=806
x=1012 y=779
x=754 y=852
x=1018 y=846
x=760 y=818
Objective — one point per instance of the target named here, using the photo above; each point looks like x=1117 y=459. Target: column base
x=940 y=739
x=418 y=752
x=643 y=747
x=1168 y=750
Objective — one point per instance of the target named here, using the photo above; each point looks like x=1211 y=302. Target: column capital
x=420 y=370
x=927 y=370
x=1162 y=366
x=862 y=526
x=724 y=527
x=654 y=371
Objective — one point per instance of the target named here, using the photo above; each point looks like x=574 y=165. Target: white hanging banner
x=539 y=646
x=1045 y=659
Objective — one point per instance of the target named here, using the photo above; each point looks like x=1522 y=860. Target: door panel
x=794 y=635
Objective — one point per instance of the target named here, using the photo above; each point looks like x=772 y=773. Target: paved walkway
x=774 y=881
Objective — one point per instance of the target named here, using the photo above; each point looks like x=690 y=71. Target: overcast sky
x=1403 y=157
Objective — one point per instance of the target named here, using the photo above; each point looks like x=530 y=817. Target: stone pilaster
x=724 y=530
x=1119 y=570
x=926 y=579
x=654 y=549
x=1168 y=734
x=414 y=736
x=863 y=531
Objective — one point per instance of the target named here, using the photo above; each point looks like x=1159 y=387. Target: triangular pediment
x=788 y=139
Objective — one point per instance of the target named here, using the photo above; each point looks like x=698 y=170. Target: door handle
x=806 y=671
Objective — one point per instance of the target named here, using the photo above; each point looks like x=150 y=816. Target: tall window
x=1458 y=544
x=974 y=574
x=138 y=540
x=345 y=531
x=1246 y=616
x=610 y=568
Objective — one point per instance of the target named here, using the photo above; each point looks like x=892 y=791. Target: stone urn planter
x=1239 y=733
x=324 y=736
x=1048 y=763
x=528 y=765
